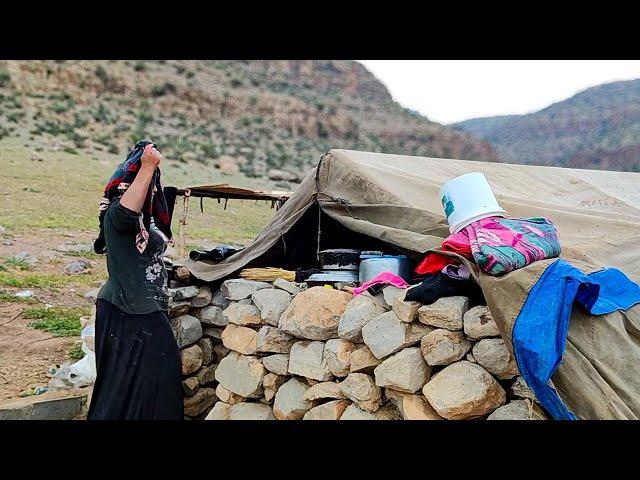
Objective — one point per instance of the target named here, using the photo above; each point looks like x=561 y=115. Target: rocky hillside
x=598 y=128
x=248 y=116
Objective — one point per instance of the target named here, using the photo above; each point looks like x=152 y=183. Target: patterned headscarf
x=154 y=205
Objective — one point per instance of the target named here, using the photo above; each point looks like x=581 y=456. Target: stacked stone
x=261 y=351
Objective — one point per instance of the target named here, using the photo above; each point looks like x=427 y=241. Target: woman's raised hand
x=150 y=157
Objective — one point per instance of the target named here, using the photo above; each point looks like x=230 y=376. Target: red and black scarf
x=155 y=203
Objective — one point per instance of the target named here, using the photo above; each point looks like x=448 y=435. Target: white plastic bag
x=83 y=372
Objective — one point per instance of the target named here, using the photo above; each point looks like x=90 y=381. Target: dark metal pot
x=340 y=259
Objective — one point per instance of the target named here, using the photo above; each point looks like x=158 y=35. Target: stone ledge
x=55 y=405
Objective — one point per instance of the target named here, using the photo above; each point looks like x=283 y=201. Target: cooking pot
x=370 y=268
x=340 y=259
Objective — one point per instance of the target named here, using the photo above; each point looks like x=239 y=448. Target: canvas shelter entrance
x=394 y=199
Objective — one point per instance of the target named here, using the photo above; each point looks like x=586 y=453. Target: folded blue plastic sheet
x=540 y=330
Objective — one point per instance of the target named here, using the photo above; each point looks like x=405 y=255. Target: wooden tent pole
x=183 y=223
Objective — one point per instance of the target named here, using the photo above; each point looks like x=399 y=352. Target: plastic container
x=467 y=199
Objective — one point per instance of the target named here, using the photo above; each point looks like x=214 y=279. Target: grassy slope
x=63 y=192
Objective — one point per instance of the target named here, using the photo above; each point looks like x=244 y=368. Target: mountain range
x=237 y=116
x=598 y=128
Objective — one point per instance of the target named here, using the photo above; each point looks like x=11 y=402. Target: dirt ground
x=27 y=354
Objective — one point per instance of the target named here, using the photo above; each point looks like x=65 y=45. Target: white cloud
x=449 y=91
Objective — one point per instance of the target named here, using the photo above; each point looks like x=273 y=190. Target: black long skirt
x=138 y=367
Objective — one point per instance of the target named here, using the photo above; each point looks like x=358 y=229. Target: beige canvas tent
x=360 y=199
x=395 y=199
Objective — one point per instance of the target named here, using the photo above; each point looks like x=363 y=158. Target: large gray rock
x=206 y=345
x=287 y=286
x=25 y=257
x=289 y=402
x=271 y=302
x=464 y=390
x=183 y=293
x=240 y=339
x=327 y=411
x=239 y=288
x=492 y=354
x=198 y=403
x=220 y=351
x=391 y=293
x=479 y=323
x=307 y=360
x=274 y=340
x=362 y=360
x=219 y=300
x=314 y=314
x=220 y=411
x=186 y=329
x=242 y=314
x=278 y=364
x=386 y=334
x=215 y=333
x=202 y=298
x=76 y=267
x=410 y=406
x=359 y=311
x=250 y=411
x=211 y=315
x=207 y=374
x=361 y=389
x=405 y=371
x=190 y=386
x=446 y=312
x=521 y=389
x=517 y=410
x=324 y=390
x=353 y=412
x=443 y=347
x=227 y=396
x=416 y=331
x=191 y=359
x=178 y=308
x=240 y=374
x=337 y=353
x=406 y=311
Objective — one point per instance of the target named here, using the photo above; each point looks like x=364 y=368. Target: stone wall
x=282 y=351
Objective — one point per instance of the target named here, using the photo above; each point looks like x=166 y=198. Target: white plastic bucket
x=467 y=199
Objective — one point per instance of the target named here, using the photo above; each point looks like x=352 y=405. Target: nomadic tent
x=391 y=202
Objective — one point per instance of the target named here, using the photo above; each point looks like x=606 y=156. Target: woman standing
x=137 y=356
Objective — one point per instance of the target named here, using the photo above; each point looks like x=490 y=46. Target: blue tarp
x=540 y=330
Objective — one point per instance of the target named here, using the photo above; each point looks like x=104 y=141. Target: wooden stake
x=183 y=223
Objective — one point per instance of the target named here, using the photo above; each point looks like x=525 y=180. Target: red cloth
x=456 y=243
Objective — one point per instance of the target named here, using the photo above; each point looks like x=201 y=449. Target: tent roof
x=395 y=198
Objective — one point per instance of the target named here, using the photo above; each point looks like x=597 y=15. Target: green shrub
x=139 y=66
x=59 y=321
x=15 y=117
x=58 y=107
x=5 y=78
x=102 y=74
x=164 y=89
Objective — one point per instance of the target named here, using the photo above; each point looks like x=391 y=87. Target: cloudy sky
x=448 y=91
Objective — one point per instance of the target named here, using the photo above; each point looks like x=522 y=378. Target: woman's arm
x=134 y=197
